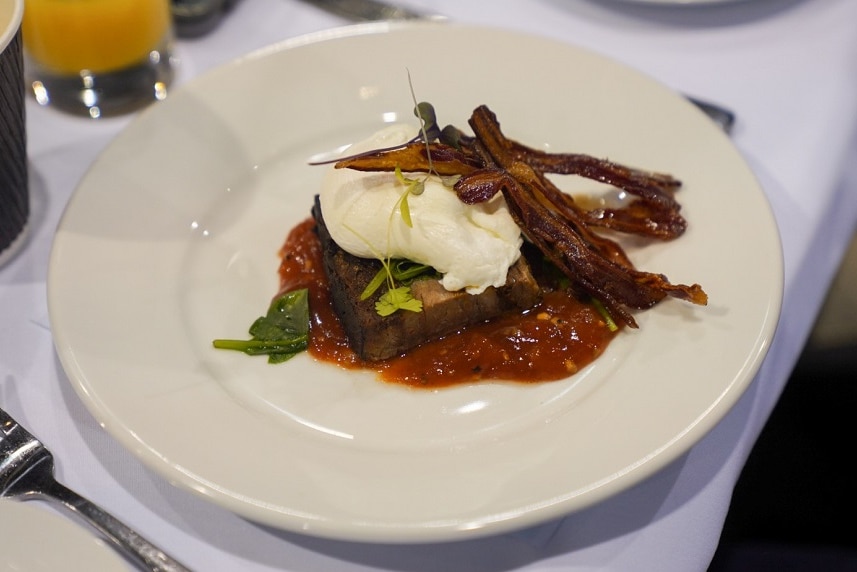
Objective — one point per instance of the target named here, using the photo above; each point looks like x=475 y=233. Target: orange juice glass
x=98 y=57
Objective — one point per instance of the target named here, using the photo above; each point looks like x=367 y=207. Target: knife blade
x=372 y=11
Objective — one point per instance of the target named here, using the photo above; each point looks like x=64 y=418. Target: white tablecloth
x=788 y=68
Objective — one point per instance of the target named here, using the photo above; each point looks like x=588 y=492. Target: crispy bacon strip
x=560 y=235
x=654 y=214
x=489 y=163
x=654 y=187
x=445 y=160
x=483 y=184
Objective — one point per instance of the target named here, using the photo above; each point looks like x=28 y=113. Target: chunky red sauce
x=551 y=341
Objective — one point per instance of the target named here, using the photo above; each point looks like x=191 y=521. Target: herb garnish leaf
x=398 y=271
x=281 y=333
x=395 y=299
x=425 y=113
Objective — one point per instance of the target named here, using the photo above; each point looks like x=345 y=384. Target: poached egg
x=472 y=246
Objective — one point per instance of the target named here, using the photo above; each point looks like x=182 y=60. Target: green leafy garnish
x=395 y=299
x=452 y=136
x=407 y=270
x=611 y=325
x=412 y=187
x=375 y=283
x=280 y=334
x=393 y=272
x=428 y=120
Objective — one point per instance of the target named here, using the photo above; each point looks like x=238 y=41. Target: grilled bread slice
x=374 y=337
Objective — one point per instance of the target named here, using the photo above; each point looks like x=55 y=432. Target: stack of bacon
x=489 y=163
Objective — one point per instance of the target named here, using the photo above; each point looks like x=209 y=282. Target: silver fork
x=27 y=472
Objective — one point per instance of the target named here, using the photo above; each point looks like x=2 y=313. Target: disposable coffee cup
x=14 y=182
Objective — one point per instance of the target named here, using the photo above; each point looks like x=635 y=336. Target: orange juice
x=67 y=36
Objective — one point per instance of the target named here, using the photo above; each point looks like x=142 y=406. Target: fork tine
x=6 y=419
x=20 y=452
x=12 y=433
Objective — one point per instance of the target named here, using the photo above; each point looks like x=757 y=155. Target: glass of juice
x=98 y=57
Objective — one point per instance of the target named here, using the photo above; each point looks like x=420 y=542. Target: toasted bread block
x=374 y=337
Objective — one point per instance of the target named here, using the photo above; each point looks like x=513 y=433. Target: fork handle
x=139 y=550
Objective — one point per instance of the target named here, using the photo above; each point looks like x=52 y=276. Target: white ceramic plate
x=171 y=240
x=35 y=539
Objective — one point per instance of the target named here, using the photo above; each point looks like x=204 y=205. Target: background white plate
x=35 y=539
x=171 y=241
x=681 y=2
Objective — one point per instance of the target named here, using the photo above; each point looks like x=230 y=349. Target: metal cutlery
x=375 y=10
x=723 y=117
x=372 y=11
x=27 y=472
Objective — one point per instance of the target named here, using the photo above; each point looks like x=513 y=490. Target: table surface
x=786 y=67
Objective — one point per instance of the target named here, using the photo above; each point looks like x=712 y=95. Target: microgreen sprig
x=605 y=315
x=401 y=271
x=398 y=296
x=395 y=297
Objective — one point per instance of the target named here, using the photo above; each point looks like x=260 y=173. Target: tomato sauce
x=548 y=342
